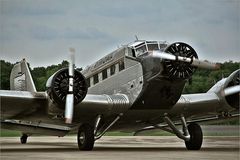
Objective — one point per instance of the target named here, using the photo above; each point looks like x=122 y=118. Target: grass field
x=209 y=130
x=8 y=133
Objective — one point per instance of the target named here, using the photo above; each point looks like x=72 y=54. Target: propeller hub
x=179 y=69
x=60 y=87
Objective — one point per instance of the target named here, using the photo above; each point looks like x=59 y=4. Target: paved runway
x=119 y=148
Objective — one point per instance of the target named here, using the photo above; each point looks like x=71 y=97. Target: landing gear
x=23 y=138
x=191 y=134
x=196 y=137
x=85 y=137
x=88 y=134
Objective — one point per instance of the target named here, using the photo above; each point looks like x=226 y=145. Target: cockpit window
x=141 y=50
x=152 y=47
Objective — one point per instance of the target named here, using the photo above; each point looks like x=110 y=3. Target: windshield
x=142 y=48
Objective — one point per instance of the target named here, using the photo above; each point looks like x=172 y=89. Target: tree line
x=201 y=81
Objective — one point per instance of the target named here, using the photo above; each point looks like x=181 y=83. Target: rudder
x=20 y=78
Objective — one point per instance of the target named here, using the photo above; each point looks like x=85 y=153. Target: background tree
x=202 y=79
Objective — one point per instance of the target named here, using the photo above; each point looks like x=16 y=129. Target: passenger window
x=95 y=79
x=121 y=65
x=112 y=70
x=104 y=74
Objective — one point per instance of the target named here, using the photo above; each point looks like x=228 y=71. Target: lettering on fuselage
x=103 y=61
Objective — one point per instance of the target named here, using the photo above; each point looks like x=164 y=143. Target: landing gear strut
x=191 y=134
x=23 y=138
x=88 y=134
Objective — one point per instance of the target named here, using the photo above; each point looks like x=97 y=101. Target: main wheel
x=23 y=138
x=85 y=137
x=196 y=137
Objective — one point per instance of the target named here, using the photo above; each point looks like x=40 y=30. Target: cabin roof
x=107 y=60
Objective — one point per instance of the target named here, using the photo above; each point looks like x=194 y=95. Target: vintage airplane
x=137 y=87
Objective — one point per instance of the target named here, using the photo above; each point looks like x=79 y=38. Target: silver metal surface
x=232 y=90
x=194 y=62
x=69 y=106
x=107 y=128
x=35 y=127
x=141 y=91
x=97 y=124
x=108 y=104
x=21 y=79
x=179 y=134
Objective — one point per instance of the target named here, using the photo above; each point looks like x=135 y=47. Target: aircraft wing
x=31 y=111
x=14 y=103
x=222 y=98
x=17 y=103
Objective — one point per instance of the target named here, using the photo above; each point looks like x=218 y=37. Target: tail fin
x=21 y=79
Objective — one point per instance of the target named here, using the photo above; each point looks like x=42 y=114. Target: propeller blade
x=232 y=90
x=194 y=62
x=163 y=55
x=69 y=106
x=72 y=61
x=205 y=64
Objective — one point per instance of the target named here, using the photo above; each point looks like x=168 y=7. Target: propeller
x=232 y=90
x=233 y=86
x=69 y=106
x=192 y=61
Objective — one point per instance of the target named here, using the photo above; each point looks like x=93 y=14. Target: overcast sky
x=42 y=30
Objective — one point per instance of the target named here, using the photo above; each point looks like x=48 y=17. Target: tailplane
x=21 y=79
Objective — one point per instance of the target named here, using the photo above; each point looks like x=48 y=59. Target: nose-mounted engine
x=58 y=85
x=179 y=69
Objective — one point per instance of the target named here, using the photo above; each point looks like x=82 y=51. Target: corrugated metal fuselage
x=144 y=82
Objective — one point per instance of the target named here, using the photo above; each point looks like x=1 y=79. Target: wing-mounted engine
x=231 y=89
x=180 y=69
x=58 y=87
x=228 y=89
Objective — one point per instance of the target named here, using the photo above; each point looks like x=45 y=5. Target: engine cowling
x=229 y=99
x=233 y=80
x=58 y=83
x=178 y=69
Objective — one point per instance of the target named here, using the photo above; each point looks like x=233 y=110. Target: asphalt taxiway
x=119 y=148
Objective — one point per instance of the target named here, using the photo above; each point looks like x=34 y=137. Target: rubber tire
x=23 y=138
x=88 y=141
x=196 y=137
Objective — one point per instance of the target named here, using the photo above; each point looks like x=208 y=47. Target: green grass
x=9 y=133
